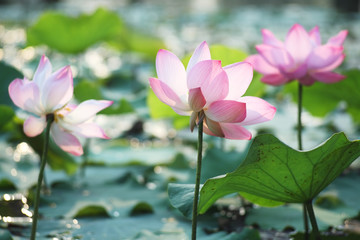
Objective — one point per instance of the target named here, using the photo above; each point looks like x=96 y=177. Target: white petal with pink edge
x=201 y=53
x=25 y=95
x=315 y=36
x=226 y=111
x=212 y=79
x=58 y=90
x=257 y=110
x=240 y=75
x=235 y=131
x=261 y=65
x=339 y=39
x=33 y=126
x=270 y=39
x=66 y=141
x=43 y=71
x=86 y=110
x=298 y=43
x=87 y=130
x=171 y=71
x=323 y=56
x=167 y=95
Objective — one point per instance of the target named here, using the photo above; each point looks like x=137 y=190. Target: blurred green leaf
x=92 y=211
x=86 y=90
x=74 y=34
x=8 y=74
x=135 y=41
x=181 y=196
x=273 y=170
x=141 y=208
x=7 y=114
x=6 y=184
x=320 y=98
x=119 y=108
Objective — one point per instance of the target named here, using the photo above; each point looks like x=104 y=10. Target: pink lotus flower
x=214 y=92
x=300 y=57
x=49 y=93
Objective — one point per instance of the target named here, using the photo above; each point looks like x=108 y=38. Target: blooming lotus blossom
x=49 y=93
x=301 y=56
x=210 y=92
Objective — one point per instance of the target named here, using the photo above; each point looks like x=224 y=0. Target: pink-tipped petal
x=58 y=89
x=270 y=39
x=324 y=56
x=66 y=141
x=339 y=39
x=25 y=95
x=196 y=99
x=240 y=75
x=33 y=126
x=298 y=43
x=212 y=79
x=261 y=65
x=89 y=130
x=257 y=111
x=43 y=71
x=275 y=79
x=213 y=128
x=333 y=65
x=315 y=36
x=86 y=110
x=327 y=77
x=167 y=95
x=226 y=111
x=201 y=53
x=171 y=71
x=235 y=131
x=277 y=57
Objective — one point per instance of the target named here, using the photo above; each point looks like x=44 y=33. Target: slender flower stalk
x=198 y=176
x=299 y=135
x=49 y=120
x=312 y=217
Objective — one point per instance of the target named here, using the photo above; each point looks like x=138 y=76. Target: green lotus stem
x=198 y=175
x=299 y=126
x=299 y=135
x=314 y=225
x=49 y=120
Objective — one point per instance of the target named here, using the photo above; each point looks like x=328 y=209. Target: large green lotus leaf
x=273 y=170
x=315 y=96
x=74 y=34
x=8 y=74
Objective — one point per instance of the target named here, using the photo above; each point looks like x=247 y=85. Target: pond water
x=137 y=165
